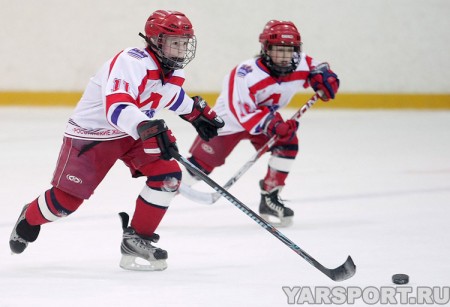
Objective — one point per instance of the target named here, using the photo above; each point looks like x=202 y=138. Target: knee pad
x=288 y=151
x=283 y=157
x=163 y=176
x=52 y=205
x=163 y=181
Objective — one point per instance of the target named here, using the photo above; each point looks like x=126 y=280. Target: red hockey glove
x=324 y=81
x=204 y=119
x=275 y=125
x=157 y=138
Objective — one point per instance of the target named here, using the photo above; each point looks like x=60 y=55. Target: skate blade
x=134 y=263
x=278 y=222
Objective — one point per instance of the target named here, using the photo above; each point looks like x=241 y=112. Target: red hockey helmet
x=280 y=33
x=169 y=23
x=171 y=36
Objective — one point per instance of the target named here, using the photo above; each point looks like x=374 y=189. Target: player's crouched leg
x=137 y=248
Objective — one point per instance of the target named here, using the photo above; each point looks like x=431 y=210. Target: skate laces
x=140 y=241
x=275 y=201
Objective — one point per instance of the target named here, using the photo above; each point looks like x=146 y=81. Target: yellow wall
x=343 y=100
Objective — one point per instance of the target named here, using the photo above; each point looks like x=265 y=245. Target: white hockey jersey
x=249 y=94
x=128 y=89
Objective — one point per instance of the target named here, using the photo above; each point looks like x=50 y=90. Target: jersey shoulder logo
x=244 y=70
x=136 y=53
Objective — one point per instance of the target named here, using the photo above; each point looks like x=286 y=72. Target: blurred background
x=386 y=53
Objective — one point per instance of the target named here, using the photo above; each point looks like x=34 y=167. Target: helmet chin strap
x=166 y=64
x=172 y=63
x=276 y=70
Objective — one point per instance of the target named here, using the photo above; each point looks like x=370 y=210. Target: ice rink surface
x=371 y=184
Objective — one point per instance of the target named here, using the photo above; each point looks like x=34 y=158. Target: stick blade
x=198 y=196
x=343 y=272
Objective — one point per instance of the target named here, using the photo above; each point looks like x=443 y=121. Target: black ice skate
x=272 y=209
x=138 y=253
x=23 y=233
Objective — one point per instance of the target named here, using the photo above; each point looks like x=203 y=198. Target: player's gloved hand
x=204 y=119
x=157 y=138
x=324 y=81
x=285 y=130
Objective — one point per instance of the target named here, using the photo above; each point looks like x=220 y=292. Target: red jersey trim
x=118 y=97
x=176 y=81
x=230 y=92
x=111 y=65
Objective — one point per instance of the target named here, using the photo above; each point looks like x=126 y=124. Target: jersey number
x=118 y=83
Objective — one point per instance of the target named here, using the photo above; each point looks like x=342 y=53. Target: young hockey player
x=116 y=120
x=251 y=96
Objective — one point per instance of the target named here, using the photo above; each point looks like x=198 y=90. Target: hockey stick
x=210 y=198
x=342 y=272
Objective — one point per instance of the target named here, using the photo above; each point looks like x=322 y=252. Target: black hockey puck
x=400 y=279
